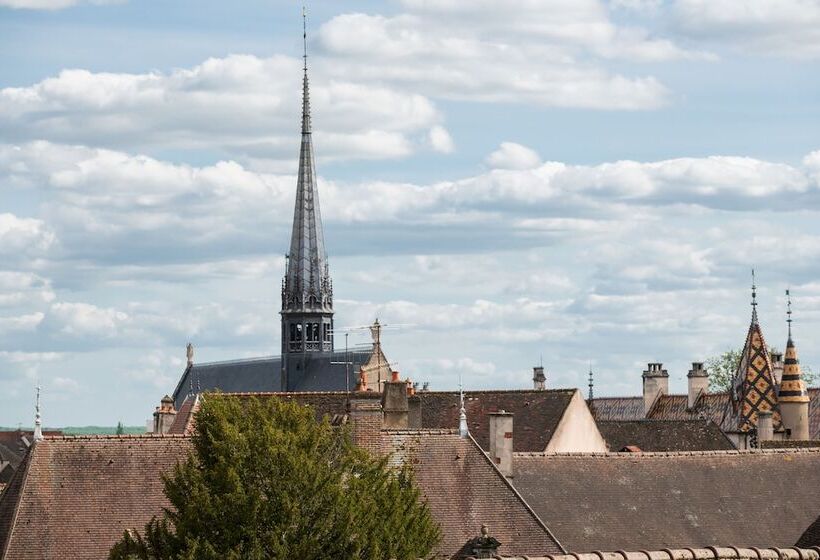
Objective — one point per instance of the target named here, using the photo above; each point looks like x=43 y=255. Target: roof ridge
x=428 y=431
x=655 y=454
x=145 y=436
x=707 y=553
x=484 y=391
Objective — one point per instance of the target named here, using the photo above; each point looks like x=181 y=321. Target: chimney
x=538 y=378
x=777 y=366
x=698 y=379
x=164 y=415
x=655 y=383
x=365 y=413
x=501 y=441
x=395 y=405
x=765 y=428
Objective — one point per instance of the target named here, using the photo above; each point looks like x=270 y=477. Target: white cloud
x=240 y=104
x=51 y=4
x=788 y=28
x=440 y=140
x=23 y=235
x=84 y=319
x=513 y=156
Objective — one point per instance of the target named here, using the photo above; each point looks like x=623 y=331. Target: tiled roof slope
x=665 y=435
x=811 y=536
x=674 y=407
x=536 y=414
x=642 y=501
x=332 y=404
x=711 y=553
x=617 y=408
x=464 y=490
x=77 y=495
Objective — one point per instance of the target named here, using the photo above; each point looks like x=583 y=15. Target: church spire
x=307 y=290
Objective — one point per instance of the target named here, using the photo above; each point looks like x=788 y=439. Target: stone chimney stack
x=365 y=413
x=501 y=441
x=539 y=380
x=655 y=383
x=164 y=415
x=698 y=379
x=777 y=366
x=765 y=427
x=395 y=404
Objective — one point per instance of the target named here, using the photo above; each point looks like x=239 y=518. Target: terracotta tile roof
x=76 y=495
x=536 y=413
x=617 y=408
x=711 y=553
x=814 y=412
x=642 y=501
x=710 y=406
x=464 y=491
x=664 y=435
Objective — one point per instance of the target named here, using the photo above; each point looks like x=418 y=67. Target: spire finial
x=305 y=92
x=462 y=415
x=590 y=382
x=38 y=429
x=754 y=298
x=789 y=311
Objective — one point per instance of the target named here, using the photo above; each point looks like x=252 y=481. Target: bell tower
x=307 y=290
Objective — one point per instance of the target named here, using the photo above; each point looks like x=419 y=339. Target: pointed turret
x=793 y=396
x=307 y=290
x=753 y=388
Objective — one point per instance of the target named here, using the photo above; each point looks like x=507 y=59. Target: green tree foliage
x=722 y=370
x=266 y=481
x=120 y=429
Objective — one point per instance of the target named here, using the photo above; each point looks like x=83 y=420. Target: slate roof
x=253 y=375
x=465 y=490
x=536 y=413
x=75 y=496
x=11 y=456
x=617 y=408
x=811 y=536
x=645 y=501
x=664 y=435
x=711 y=553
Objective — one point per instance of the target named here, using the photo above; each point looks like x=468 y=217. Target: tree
x=266 y=480
x=120 y=430
x=722 y=370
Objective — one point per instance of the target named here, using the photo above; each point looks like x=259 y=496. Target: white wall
x=577 y=431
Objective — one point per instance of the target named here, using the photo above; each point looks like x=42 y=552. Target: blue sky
x=585 y=180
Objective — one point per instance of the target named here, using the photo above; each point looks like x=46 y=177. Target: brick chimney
x=501 y=441
x=395 y=404
x=655 y=383
x=698 y=379
x=164 y=415
x=365 y=413
x=539 y=380
x=765 y=427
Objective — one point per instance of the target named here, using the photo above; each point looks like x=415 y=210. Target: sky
x=583 y=182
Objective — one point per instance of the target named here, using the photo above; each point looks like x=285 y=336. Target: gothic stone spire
x=307 y=291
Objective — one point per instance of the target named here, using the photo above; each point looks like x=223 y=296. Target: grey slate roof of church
x=264 y=375
x=645 y=501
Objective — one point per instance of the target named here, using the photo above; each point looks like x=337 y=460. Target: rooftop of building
x=664 y=435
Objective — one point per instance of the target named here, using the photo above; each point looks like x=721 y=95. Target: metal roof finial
x=38 y=429
x=789 y=311
x=462 y=415
x=754 y=298
x=591 y=383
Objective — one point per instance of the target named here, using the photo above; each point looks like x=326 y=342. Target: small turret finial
x=591 y=383
x=754 y=298
x=38 y=429
x=462 y=415
x=304 y=37
x=789 y=311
